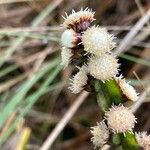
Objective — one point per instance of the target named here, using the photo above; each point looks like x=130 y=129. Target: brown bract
x=79 y=21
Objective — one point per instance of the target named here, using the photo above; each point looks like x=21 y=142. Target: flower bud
x=143 y=140
x=79 y=80
x=120 y=119
x=127 y=89
x=69 y=38
x=97 y=41
x=100 y=134
x=66 y=55
x=79 y=21
x=104 y=67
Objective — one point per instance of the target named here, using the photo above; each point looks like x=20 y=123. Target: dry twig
x=129 y=37
x=65 y=119
x=140 y=100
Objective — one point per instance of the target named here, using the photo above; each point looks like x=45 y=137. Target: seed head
x=79 y=80
x=143 y=140
x=66 y=55
x=100 y=134
x=127 y=89
x=79 y=21
x=69 y=38
x=97 y=41
x=104 y=67
x=120 y=119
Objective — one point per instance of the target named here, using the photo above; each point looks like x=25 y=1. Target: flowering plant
x=89 y=48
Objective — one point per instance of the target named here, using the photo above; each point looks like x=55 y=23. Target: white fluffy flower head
x=66 y=55
x=97 y=41
x=69 y=38
x=127 y=89
x=120 y=119
x=100 y=134
x=79 y=80
x=80 y=19
x=104 y=67
x=143 y=140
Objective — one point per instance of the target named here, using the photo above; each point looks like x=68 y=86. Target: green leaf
x=113 y=91
x=128 y=141
x=135 y=59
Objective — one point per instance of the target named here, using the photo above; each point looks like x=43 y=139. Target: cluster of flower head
x=91 y=46
x=118 y=119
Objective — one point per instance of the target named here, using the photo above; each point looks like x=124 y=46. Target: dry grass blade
x=30 y=29
x=34 y=23
x=65 y=119
x=128 y=38
x=14 y=1
x=7 y=85
x=140 y=100
x=7 y=124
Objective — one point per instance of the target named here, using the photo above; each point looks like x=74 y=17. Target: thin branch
x=65 y=119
